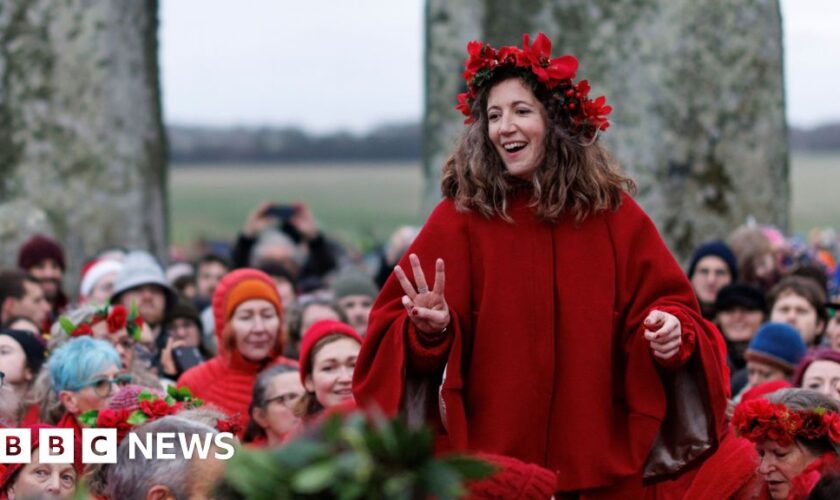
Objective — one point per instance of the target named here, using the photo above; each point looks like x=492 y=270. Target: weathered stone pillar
x=697 y=89
x=82 y=145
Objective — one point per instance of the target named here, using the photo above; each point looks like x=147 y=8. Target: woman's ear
x=69 y=401
x=309 y=384
x=260 y=417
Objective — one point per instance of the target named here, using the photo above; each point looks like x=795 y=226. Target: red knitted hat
x=513 y=479
x=238 y=286
x=37 y=249
x=9 y=471
x=316 y=332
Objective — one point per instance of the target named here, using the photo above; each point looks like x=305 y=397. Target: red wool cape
x=545 y=355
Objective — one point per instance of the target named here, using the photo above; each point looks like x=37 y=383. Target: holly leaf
x=145 y=395
x=89 y=417
x=137 y=418
x=66 y=325
x=315 y=478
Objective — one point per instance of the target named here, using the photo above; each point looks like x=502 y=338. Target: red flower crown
x=150 y=407
x=116 y=316
x=759 y=419
x=587 y=116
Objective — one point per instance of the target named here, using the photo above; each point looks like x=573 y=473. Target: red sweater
x=545 y=357
x=225 y=382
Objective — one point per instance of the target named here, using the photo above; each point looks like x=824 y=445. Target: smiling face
x=780 y=464
x=517 y=126
x=256 y=325
x=332 y=372
x=739 y=324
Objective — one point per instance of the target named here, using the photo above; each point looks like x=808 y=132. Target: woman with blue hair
x=84 y=372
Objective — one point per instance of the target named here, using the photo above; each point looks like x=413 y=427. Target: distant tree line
x=190 y=144
x=402 y=141
x=823 y=138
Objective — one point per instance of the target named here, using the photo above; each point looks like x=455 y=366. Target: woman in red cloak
x=561 y=331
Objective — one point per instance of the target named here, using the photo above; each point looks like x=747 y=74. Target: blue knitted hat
x=718 y=249
x=777 y=344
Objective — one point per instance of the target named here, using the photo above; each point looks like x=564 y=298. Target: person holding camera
x=286 y=234
x=183 y=348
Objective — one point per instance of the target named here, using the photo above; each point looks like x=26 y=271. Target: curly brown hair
x=577 y=175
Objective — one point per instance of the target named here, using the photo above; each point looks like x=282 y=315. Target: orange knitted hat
x=239 y=286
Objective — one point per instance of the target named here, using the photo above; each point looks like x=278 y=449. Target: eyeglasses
x=103 y=386
x=288 y=399
x=126 y=343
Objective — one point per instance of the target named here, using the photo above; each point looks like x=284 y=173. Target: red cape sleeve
x=392 y=351
x=649 y=278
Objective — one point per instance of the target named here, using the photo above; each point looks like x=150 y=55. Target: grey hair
x=79 y=314
x=132 y=479
x=273 y=237
x=206 y=414
x=808 y=399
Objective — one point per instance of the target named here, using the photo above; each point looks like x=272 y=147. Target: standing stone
x=82 y=146
x=697 y=91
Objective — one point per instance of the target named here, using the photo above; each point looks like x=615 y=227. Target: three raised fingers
x=419 y=277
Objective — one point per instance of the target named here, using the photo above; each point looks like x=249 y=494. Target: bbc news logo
x=99 y=446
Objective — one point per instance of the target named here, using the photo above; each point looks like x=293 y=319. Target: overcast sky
x=336 y=64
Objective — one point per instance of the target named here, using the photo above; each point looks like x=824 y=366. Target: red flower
x=813 y=426
x=481 y=55
x=832 y=421
x=158 y=408
x=463 y=106
x=117 y=318
x=81 y=330
x=595 y=113
x=231 y=424
x=549 y=71
x=513 y=55
x=115 y=419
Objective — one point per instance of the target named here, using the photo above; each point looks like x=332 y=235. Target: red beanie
x=38 y=249
x=513 y=479
x=316 y=332
x=9 y=471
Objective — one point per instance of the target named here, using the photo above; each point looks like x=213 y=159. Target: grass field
x=361 y=204
x=357 y=203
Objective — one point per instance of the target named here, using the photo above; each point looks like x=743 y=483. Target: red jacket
x=545 y=355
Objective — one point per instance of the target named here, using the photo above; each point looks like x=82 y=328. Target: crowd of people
x=267 y=346
x=537 y=319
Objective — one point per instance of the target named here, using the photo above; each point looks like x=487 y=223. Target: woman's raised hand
x=426 y=308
